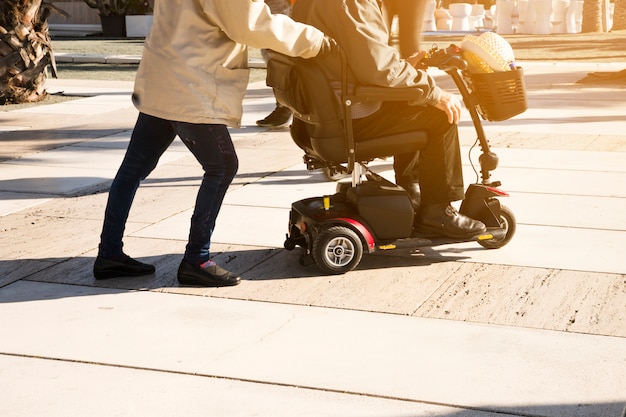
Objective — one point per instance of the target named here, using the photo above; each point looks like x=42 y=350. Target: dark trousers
x=213 y=148
x=438 y=169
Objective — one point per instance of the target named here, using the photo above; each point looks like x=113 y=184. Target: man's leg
x=281 y=115
x=439 y=168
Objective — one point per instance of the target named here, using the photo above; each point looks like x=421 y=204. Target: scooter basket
x=501 y=94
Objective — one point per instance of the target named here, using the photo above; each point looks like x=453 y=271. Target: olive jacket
x=360 y=31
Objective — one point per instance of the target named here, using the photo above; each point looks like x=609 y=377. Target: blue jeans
x=213 y=148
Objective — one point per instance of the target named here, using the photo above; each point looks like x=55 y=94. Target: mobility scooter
x=369 y=213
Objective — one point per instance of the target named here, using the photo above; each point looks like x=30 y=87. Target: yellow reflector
x=485 y=237
x=326 y=203
x=387 y=247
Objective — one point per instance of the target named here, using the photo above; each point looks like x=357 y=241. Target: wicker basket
x=501 y=94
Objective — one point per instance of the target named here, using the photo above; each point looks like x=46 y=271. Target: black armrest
x=366 y=92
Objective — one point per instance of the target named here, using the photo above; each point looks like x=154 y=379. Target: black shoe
x=125 y=266
x=209 y=276
x=443 y=219
x=280 y=117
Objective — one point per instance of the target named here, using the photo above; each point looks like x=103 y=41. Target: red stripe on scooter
x=363 y=230
x=498 y=191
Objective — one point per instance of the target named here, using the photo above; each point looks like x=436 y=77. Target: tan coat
x=194 y=66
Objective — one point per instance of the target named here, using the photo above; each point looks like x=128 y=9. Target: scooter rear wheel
x=508 y=223
x=337 y=250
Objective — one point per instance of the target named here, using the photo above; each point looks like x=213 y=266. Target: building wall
x=80 y=14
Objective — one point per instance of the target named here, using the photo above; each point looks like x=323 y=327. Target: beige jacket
x=194 y=66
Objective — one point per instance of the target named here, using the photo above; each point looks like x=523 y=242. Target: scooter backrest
x=301 y=85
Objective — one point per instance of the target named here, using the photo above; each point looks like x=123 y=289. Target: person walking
x=410 y=15
x=190 y=83
x=281 y=115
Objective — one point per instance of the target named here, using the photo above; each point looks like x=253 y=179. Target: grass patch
x=85 y=71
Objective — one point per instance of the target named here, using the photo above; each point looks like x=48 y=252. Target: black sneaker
x=209 y=276
x=124 y=266
x=280 y=117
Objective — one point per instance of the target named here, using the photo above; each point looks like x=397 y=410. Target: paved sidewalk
x=536 y=328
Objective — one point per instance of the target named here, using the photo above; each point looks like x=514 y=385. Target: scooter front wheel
x=337 y=250
x=508 y=223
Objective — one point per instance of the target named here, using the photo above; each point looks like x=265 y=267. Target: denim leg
x=213 y=148
x=150 y=138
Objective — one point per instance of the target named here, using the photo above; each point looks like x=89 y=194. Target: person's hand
x=451 y=106
x=415 y=59
x=328 y=45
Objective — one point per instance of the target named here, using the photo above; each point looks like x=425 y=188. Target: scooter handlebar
x=444 y=59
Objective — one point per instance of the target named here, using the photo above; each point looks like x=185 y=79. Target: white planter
x=138 y=26
x=460 y=16
x=504 y=16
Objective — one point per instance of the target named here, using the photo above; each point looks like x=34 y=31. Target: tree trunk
x=619 y=15
x=25 y=50
x=592 y=16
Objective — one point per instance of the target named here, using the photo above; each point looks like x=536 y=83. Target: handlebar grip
x=456 y=62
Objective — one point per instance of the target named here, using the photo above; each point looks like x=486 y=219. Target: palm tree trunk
x=25 y=50
x=592 y=16
x=619 y=15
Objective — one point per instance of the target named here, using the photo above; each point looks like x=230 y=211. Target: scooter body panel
x=480 y=203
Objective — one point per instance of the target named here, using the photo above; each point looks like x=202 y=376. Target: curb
x=74 y=58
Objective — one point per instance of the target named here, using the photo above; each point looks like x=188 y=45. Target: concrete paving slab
x=554 y=247
x=9 y=128
x=11 y=202
x=436 y=357
x=563 y=223
x=78 y=389
x=50 y=180
x=568 y=160
x=67 y=170
x=439 y=362
x=37 y=237
x=83 y=107
x=583 y=212
x=12 y=270
x=531 y=297
x=549 y=181
x=89 y=87
x=120 y=141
